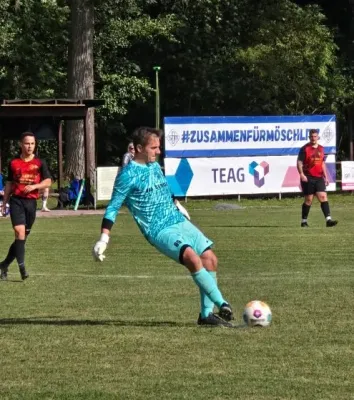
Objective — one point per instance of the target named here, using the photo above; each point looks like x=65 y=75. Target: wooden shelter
x=44 y=118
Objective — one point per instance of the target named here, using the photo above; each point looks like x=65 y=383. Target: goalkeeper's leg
x=205 y=279
x=176 y=242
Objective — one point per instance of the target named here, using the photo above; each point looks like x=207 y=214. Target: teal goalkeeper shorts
x=172 y=241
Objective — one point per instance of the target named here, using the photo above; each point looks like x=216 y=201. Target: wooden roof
x=19 y=115
x=54 y=108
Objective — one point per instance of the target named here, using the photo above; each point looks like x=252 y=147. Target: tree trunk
x=80 y=86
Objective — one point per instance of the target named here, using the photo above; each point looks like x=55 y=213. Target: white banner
x=347 y=175
x=237 y=175
x=105 y=177
x=187 y=137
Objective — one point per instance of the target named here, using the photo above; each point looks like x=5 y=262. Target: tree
x=33 y=54
x=128 y=37
x=33 y=49
x=249 y=57
x=290 y=62
x=80 y=86
x=200 y=75
x=228 y=57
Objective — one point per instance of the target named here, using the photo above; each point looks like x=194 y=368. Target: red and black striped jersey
x=22 y=173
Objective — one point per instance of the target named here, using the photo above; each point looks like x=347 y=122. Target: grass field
x=126 y=328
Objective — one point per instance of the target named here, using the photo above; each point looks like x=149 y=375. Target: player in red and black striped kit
x=314 y=179
x=27 y=175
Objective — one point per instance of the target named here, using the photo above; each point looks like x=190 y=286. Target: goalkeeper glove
x=182 y=209
x=100 y=247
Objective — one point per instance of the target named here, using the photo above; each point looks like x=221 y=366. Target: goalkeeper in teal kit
x=143 y=188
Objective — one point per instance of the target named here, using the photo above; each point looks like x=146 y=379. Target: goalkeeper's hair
x=142 y=135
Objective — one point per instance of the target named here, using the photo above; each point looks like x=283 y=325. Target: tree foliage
x=127 y=39
x=33 y=49
x=290 y=62
x=230 y=57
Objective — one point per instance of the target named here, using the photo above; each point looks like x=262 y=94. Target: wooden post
x=60 y=155
x=350 y=129
x=87 y=158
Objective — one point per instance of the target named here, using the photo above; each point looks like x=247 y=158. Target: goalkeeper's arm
x=101 y=245
x=181 y=209
x=122 y=185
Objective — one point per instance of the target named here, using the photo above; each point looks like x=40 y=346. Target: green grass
x=126 y=328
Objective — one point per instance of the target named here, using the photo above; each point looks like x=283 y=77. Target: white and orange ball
x=257 y=313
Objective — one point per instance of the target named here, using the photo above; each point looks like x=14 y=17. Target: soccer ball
x=257 y=313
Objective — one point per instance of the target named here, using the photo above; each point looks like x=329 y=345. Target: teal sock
x=206 y=305
x=209 y=286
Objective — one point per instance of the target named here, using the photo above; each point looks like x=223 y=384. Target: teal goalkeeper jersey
x=144 y=190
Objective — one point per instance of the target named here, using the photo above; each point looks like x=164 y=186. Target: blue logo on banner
x=180 y=181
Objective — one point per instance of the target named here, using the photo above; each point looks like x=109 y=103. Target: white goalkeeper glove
x=182 y=209
x=100 y=247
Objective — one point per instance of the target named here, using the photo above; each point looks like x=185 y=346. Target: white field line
x=221 y=276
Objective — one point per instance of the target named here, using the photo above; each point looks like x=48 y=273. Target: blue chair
x=69 y=195
x=2 y=187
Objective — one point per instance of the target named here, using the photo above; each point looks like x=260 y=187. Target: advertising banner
x=187 y=137
x=237 y=175
x=347 y=175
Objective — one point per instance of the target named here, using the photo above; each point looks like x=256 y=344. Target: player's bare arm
x=46 y=183
x=325 y=175
x=300 y=166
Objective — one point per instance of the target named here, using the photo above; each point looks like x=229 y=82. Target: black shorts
x=23 y=211
x=313 y=186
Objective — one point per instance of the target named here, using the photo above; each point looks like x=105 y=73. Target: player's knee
x=190 y=259
x=215 y=261
x=322 y=198
x=209 y=260
x=20 y=232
